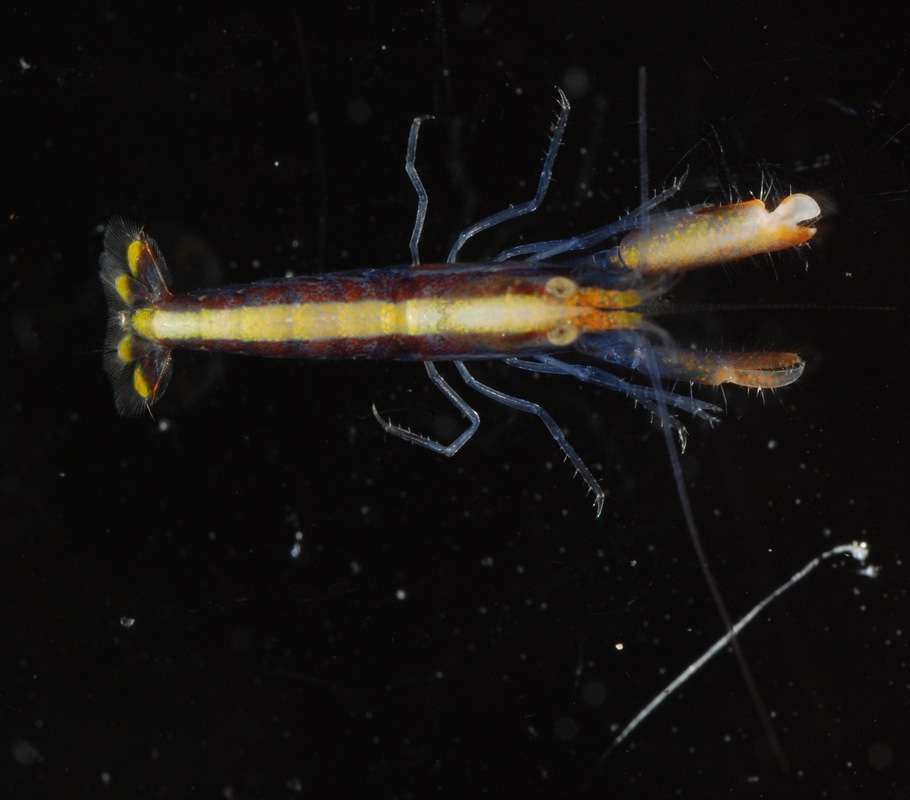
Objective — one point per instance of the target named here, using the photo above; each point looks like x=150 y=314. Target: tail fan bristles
x=134 y=275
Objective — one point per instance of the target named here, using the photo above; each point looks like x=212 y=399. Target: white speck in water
x=356 y=569
x=401 y=594
x=296 y=548
x=295 y=243
x=772 y=444
x=486 y=561
x=24 y=65
x=105 y=778
x=164 y=425
x=276 y=163
x=619 y=646
x=127 y=622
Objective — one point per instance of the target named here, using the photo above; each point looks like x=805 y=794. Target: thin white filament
x=857 y=550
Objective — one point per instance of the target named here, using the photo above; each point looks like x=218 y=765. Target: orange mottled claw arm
x=683 y=240
x=753 y=370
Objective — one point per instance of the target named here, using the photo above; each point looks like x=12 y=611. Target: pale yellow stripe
x=506 y=314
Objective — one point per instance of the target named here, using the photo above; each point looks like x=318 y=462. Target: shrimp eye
x=561 y=287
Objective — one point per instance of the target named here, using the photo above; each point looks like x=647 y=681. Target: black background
x=444 y=627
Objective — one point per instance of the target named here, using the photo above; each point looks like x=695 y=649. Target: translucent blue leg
x=604 y=258
x=484 y=224
x=422 y=199
x=644 y=395
x=532 y=205
x=558 y=436
x=541 y=251
x=425 y=441
x=469 y=413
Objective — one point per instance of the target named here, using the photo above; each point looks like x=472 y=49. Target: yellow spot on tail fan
x=133 y=252
x=140 y=384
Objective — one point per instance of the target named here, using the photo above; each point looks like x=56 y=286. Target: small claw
x=386 y=425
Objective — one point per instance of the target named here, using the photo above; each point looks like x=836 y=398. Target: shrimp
x=526 y=307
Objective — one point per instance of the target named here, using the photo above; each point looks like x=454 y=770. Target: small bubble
x=594 y=693
x=127 y=622
x=566 y=729
x=25 y=753
x=576 y=81
x=359 y=111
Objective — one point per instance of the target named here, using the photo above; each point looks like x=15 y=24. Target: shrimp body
x=534 y=301
x=442 y=313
